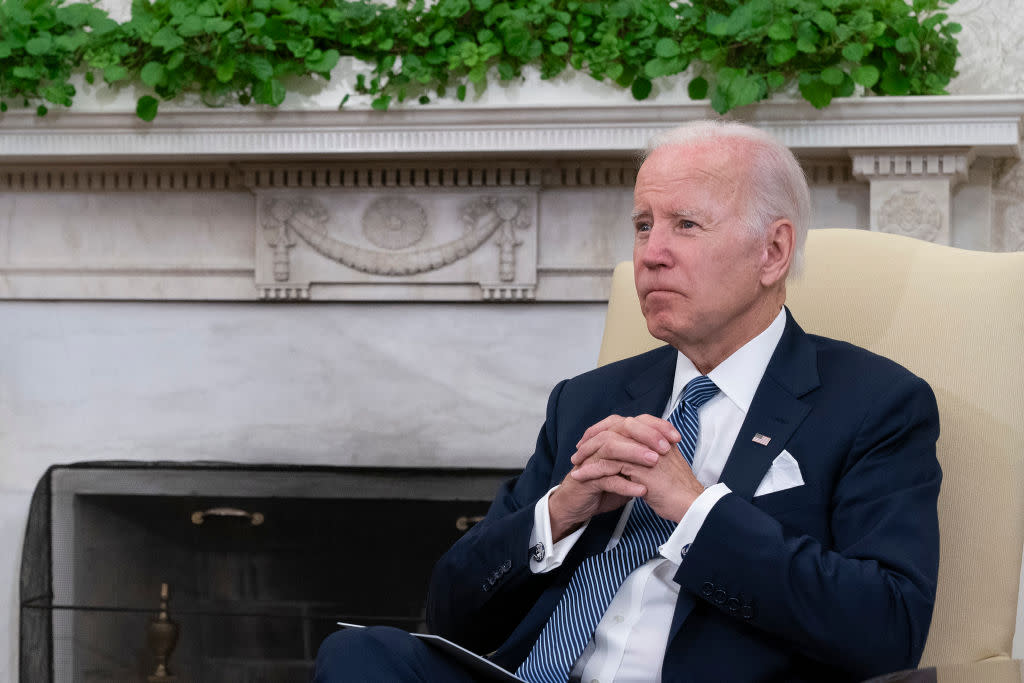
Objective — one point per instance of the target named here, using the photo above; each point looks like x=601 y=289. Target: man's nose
x=655 y=250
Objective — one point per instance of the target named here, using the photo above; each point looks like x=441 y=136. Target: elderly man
x=747 y=503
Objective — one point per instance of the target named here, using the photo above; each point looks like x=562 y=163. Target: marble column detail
x=911 y=190
x=1008 y=193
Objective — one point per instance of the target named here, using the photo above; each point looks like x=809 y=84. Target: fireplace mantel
x=473 y=203
x=981 y=125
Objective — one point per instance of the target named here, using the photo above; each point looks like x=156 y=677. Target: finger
x=615 y=446
x=596 y=429
x=622 y=487
x=598 y=468
x=655 y=432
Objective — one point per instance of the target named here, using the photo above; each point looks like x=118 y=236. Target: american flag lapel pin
x=761 y=439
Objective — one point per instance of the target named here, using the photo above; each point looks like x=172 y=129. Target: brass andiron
x=162 y=635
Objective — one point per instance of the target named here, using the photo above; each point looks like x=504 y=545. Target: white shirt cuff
x=551 y=554
x=678 y=544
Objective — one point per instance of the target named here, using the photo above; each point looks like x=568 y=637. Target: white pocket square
x=783 y=474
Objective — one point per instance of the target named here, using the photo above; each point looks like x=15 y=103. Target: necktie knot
x=699 y=391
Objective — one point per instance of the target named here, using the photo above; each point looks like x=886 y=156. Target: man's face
x=697 y=268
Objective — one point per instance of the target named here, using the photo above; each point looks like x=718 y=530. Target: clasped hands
x=621 y=458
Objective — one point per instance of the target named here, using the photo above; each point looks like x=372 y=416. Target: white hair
x=776 y=182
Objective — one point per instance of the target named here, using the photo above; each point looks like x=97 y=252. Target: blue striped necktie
x=597 y=579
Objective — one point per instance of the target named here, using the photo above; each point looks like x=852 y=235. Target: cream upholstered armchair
x=955 y=318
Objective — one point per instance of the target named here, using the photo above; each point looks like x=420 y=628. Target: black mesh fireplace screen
x=259 y=562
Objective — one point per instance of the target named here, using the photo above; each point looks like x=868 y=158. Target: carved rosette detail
x=307 y=218
x=512 y=215
x=394 y=223
x=911 y=212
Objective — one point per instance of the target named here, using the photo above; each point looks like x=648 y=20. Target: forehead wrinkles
x=682 y=182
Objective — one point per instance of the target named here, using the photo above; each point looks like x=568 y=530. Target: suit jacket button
x=733 y=604
x=508 y=565
x=707 y=589
x=719 y=596
x=748 y=611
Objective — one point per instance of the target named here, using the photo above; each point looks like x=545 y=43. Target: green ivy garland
x=741 y=51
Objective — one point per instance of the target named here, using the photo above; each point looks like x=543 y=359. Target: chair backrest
x=955 y=318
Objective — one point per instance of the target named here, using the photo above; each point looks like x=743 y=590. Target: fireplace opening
x=259 y=564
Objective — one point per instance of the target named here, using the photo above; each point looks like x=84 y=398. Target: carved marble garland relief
x=398 y=241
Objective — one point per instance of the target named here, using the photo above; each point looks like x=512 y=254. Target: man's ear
x=780 y=241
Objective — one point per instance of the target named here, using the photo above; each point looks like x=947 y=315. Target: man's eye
x=687 y=224
x=642 y=226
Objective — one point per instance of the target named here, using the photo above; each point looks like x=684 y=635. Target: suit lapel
x=776 y=411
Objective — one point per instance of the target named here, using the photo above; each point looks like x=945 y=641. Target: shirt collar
x=738 y=376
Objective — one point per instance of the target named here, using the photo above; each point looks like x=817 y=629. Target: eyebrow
x=691 y=213
x=678 y=213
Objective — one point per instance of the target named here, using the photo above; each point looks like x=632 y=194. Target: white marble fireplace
x=352 y=288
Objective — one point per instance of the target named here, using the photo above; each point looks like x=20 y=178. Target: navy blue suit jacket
x=831 y=580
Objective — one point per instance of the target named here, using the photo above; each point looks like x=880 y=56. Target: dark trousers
x=382 y=653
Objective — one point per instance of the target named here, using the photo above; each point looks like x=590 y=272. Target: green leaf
x=780 y=30
x=833 y=75
x=168 y=39
x=114 y=73
x=69 y=42
x=666 y=48
x=327 y=61
x=825 y=20
x=270 y=92
x=894 y=83
x=641 y=89
x=717 y=24
x=146 y=108
x=780 y=53
x=658 y=67
x=29 y=72
x=698 y=88
x=853 y=52
x=255 y=21
x=191 y=25
x=865 y=75
x=381 y=103
x=460 y=93
x=443 y=36
x=218 y=25
x=775 y=80
x=904 y=45
x=560 y=49
x=815 y=91
x=557 y=31
x=41 y=110
x=39 y=45
x=153 y=74
x=226 y=71
x=261 y=68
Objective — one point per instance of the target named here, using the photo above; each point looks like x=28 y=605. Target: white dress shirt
x=630 y=640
